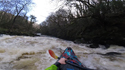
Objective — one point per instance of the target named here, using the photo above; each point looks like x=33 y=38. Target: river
x=31 y=53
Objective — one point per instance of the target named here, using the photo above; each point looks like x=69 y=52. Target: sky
x=43 y=8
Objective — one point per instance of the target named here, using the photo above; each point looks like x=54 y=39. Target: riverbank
x=109 y=31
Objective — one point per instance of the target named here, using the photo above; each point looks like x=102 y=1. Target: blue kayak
x=73 y=62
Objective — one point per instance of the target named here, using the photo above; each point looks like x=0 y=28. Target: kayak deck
x=70 y=55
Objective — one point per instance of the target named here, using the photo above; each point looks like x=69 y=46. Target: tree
x=32 y=19
x=15 y=7
x=13 y=16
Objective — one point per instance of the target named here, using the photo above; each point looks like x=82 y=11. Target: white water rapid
x=31 y=53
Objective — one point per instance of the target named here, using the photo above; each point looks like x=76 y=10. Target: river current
x=31 y=53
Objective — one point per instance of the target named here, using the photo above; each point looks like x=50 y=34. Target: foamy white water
x=31 y=53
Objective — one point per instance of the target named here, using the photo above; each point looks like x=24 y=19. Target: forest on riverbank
x=96 y=22
x=81 y=21
x=14 y=19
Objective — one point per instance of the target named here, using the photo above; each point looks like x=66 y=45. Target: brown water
x=31 y=53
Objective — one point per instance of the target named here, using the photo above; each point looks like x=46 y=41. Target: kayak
x=72 y=63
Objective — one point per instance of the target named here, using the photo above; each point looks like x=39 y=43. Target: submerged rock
x=79 y=41
x=113 y=53
x=94 y=45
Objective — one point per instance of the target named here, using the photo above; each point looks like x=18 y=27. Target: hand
x=62 y=61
